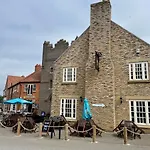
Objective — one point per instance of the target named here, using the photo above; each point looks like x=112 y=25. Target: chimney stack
x=37 y=67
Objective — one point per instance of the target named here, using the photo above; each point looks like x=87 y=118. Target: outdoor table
x=131 y=127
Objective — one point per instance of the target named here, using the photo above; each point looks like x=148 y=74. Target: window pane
x=69 y=74
x=138 y=71
x=34 y=87
x=145 y=71
x=64 y=74
x=62 y=106
x=25 y=87
x=141 y=112
x=132 y=116
x=74 y=75
x=148 y=112
x=132 y=111
x=68 y=108
x=131 y=71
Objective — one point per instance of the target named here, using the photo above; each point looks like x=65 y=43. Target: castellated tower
x=50 y=54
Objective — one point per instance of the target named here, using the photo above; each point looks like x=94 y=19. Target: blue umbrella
x=86 y=114
x=17 y=101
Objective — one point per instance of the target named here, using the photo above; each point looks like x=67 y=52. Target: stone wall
x=99 y=85
x=124 y=46
x=50 y=54
x=111 y=82
x=75 y=56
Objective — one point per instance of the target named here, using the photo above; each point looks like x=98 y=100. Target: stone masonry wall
x=75 y=56
x=99 y=85
x=124 y=45
x=50 y=54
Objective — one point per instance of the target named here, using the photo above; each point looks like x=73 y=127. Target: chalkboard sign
x=46 y=125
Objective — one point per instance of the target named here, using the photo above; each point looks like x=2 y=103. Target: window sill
x=139 y=81
x=69 y=83
x=144 y=126
x=71 y=120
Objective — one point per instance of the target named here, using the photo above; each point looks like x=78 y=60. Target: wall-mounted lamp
x=120 y=100
x=81 y=98
x=137 y=51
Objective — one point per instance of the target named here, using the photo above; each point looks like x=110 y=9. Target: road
x=9 y=140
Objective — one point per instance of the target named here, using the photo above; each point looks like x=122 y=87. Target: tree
x=1 y=98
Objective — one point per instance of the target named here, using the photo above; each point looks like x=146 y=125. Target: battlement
x=61 y=43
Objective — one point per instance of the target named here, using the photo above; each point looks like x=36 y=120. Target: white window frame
x=13 y=107
x=135 y=111
x=31 y=90
x=143 y=71
x=25 y=87
x=15 y=89
x=65 y=74
x=64 y=109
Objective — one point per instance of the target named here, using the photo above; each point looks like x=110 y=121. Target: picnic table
x=82 y=128
x=132 y=129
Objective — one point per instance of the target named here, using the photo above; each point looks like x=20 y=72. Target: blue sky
x=26 y=24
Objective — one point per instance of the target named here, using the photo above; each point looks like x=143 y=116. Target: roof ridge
x=13 y=76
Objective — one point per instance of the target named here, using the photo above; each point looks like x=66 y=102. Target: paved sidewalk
x=9 y=141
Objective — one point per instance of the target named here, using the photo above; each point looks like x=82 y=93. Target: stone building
x=110 y=67
x=50 y=54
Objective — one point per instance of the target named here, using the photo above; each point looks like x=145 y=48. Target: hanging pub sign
x=97 y=58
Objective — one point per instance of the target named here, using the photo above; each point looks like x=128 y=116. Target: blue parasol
x=86 y=114
x=17 y=101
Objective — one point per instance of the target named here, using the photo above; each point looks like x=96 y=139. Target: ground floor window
x=140 y=111
x=12 y=107
x=68 y=108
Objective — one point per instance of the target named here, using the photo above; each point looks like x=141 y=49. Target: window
x=138 y=71
x=30 y=88
x=34 y=87
x=68 y=108
x=14 y=107
x=140 y=112
x=25 y=87
x=69 y=75
x=15 y=89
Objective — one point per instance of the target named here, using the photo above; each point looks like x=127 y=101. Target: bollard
x=59 y=132
x=125 y=135
x=40 y=129
x=66 y=132
x=94 y=134
x=18 y=127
